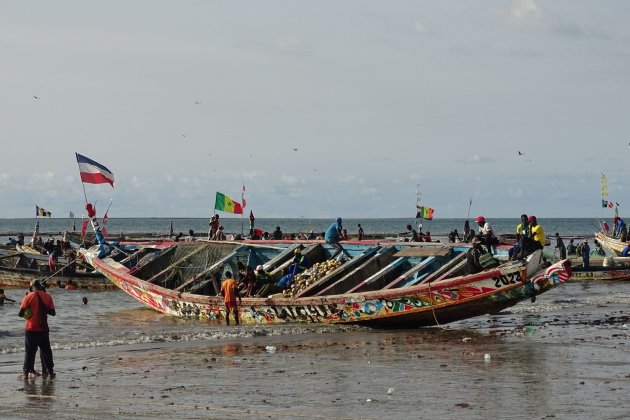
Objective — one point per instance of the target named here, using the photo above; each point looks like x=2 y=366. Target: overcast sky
x=183 y=99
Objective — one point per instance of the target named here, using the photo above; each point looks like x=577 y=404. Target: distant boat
x=384 y=284
x=19 y=269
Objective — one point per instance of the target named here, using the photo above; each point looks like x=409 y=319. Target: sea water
x=570 y=227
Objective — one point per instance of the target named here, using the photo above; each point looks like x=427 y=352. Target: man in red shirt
x=229 y=290
x=35 y=308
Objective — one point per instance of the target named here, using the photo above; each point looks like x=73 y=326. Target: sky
x=321 y=109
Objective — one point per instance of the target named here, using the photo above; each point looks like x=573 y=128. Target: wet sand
x=558 y=363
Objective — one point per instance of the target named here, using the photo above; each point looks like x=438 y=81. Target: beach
x=565 y=356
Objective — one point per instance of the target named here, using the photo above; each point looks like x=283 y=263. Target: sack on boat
x=487 y=260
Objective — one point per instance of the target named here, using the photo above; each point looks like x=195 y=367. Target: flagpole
x=82 y=183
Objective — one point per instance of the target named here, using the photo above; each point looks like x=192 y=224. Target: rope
x=60 y=270
x=433 y=309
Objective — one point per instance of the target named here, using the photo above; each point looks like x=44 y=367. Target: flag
x=243 y=197
x=93 y=172
x=224 y=203
x=604 y=184
x=604 y=204
x=105 y=217
x=71 y=215
x=39 y=211
x=251 y=216
x=104 y=231
x=617 y=210
x=424 y=213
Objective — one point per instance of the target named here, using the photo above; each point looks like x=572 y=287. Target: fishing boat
x=386 y=284
x=612 y=244
x=609 y=268
x=19 y=269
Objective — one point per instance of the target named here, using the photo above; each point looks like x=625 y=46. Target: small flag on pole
x=93 y=172
x=424 y=213
x=224 y=203
x=39 y=211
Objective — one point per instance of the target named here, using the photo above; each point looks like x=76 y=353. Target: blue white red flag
x=93 y=172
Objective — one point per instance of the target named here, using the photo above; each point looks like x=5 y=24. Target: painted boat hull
x=416 y=306
x=22 y=278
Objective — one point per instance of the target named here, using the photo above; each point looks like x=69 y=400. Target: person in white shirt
x=488 y=237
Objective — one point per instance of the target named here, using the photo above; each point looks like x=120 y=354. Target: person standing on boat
x=230 y=293
x=488 y=237
x=361 y=234
x=333 y=234
x=35 y=308
x=560 y=246
x=586 y=254
x=571 y=248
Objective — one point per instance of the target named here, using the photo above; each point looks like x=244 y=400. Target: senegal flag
x=224 y=203
x=424 y=213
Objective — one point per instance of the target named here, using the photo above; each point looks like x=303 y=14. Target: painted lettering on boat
x=507 y=279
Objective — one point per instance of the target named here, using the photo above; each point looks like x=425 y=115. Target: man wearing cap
x=35 y=308
x=488 y=237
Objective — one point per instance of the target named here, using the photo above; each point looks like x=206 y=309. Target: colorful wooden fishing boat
x=614 y=245
x=19 y=269
x=609 y=268
x=383 y=284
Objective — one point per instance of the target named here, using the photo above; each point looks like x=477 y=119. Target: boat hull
x=22 y=278
x=424 y=305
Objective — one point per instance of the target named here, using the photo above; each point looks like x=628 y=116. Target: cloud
x=289 y=180
x=575 y=30
x=352 y=179
x=291 y=45
x=515 y=192
x=368 y=191
x=420 y=28
x=475 y=159
x=525 y=10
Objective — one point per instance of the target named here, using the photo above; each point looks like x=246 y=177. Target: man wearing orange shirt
x=35 y=308
x=229 y=290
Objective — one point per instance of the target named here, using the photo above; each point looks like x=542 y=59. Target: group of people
x=620 y=230
x=418 y=235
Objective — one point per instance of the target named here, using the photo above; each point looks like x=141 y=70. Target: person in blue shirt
x=333 y=235
x=626 y=250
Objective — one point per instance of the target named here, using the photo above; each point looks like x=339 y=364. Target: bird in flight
x=197 y=102
x=295 y=149
x=184 y=135
x=520 y=153
x=36 y=97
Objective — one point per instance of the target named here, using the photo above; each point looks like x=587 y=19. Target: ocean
x=569 y=227
x=563 y=356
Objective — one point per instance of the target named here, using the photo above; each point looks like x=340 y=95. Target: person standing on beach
x=560 y=246
x=35 y=308
x=361 y=234
x=230 y=293
x=586 y=254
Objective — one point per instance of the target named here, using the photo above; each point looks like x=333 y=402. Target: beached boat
x=383 y=284
x=609 y=268
x=19 y=269
x=614 y=245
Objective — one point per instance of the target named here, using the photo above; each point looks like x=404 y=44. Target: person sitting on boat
x=586 y=254
x=453 y=236
x=344 y=235
x=522 y=232
x=473 y=265
x=487 y=235
x=467 y=238
x=571 y=248
x=538 y=233
x=21 y=239
x=599 y=250
x=220 y=236
x=414 y=234
x=626 y=250
x=191 y=236
x=4 y=298
x=427 y=237
x=277 y=234
x=229 y=291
